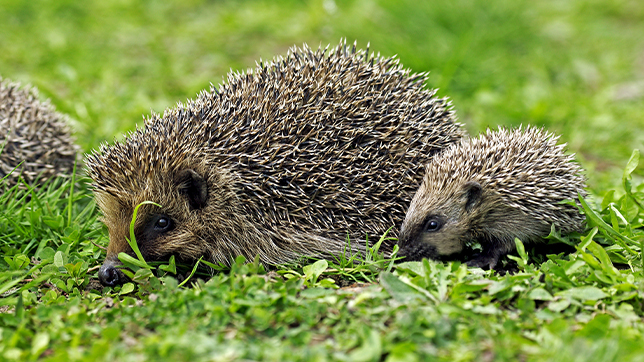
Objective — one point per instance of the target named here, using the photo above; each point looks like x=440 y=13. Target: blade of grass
x=191 y=273
x=619 y=239
x=132 y=239
x=70 y=202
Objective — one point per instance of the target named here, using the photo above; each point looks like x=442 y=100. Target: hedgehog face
x=437 y=223
x=159 y=231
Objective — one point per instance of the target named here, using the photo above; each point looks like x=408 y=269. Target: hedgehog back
x=524 y=166
x=327 y=143
x=32 y=135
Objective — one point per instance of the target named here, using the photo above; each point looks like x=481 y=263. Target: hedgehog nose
x=108 y=275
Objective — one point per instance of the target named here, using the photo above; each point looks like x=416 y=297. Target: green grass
x=567 y=307
x=575 y=67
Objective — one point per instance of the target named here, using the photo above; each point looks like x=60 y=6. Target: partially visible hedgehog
x=503 y=185
x=282 y=162
x=32 y=132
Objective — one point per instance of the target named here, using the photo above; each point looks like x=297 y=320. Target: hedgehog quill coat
x=280 y=162
x=503 y=185
x=32 y=132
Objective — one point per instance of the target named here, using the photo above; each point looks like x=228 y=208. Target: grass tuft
x=574 y=67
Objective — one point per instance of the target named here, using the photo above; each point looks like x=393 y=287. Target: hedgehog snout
x=417 y=251
x=404 y=252
x=406 y=243
x=109 y=275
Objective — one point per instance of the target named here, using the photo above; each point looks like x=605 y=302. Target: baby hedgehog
x=502 y=185
x=32 y=132
x=281 y=162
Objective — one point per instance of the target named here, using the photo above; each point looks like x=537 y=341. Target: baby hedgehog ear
x=193 y=186
x=473 y=194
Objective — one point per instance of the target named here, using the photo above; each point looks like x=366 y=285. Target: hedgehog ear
x=193 y=186
x=473 y=194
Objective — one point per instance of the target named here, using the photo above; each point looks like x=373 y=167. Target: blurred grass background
x=576 y=67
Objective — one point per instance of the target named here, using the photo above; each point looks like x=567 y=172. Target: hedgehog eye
x=432 y=225
x=163 y=224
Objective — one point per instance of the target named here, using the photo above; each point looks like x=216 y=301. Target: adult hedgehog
x=503 y=185
x=33 y=137
x=282 y=162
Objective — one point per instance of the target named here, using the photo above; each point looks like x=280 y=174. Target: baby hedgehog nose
x=108 y=275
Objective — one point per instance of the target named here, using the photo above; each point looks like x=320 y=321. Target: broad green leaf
x=556 y=235
x=559 y=305
x=602 y=276
x=50 y=269
x=489 y=309
x=313 y=271
x=127 y=288
x=414 y=267
x=39 y=344
x=601 y=254
x=128 y=273
x=572 y=266
x=398 y=289
x=597 y=328
x=595 y=218
x=58 y=259
x=584 y=293
x=129 y=260
x=60 y=284
x=539 y=294
x=171 y=267
x=74 y=269
x=468 y=287
x=500 y=286
x=630 y=167
x=590 y=260
x=46 y=253
x=403 y=352
x=616 y=257
x=609 y=198
x=629 y=208
x=327 y=283
x=54 y=222
x=587 y=239
x=370 y=350
x=9 y=260
x=521 y=249
x=142 y=275
x=316 y=292
x=616 y=217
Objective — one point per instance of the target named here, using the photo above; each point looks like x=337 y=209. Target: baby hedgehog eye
x=163 y=223
x=432 y=225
